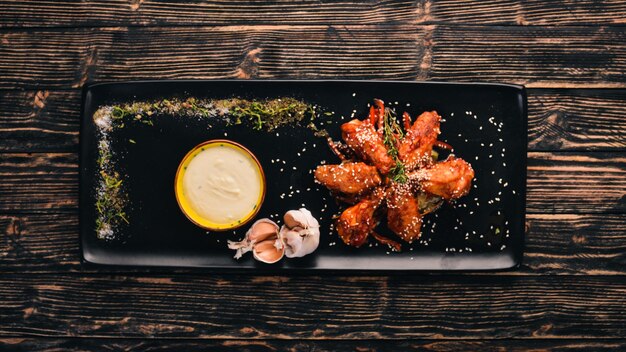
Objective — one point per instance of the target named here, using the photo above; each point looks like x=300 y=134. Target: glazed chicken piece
x=348 y=178
x=357 y=222
x=449 y=179
x=364 y=180
x=403 y=215
x=363 y=139
x=416 y=147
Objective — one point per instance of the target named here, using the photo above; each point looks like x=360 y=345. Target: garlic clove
x=261 y=230
x=267 y=252
x=300 y=233
x=301 y=217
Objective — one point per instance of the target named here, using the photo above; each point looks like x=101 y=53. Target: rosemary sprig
x=391 y=134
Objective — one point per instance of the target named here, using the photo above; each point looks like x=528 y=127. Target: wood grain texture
x=40 y=241
x=533 y=12
x=38 y=182
x=167 y=13
x=585 y=182
x=548 y=57
x=570 y=294
x=158 y=345
x=555 y=244
x=557 y=182
x=39 y=120
x=575 y=244
x=578 y=119
x=562 y=119
x=262 y=307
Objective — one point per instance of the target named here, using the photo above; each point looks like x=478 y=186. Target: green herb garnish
x=267 y=114
x=392 y=133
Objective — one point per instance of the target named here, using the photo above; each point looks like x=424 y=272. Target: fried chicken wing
x=416 y=147
x=357 y=222
x=348 y=178
x=363 y=139
x=449 y=179
x=386 y=169
x=403 y=215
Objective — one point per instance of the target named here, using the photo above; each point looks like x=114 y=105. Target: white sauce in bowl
x=223 y=184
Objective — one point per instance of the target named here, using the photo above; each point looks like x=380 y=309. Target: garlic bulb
x=264 y=240
x=300 y=234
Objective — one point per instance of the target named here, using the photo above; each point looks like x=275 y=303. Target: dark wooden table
x=570 y=293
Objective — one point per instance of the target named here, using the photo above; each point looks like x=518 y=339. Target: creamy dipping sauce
x=223 y=184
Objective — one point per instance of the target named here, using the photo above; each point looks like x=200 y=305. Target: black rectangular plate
x=485 y=123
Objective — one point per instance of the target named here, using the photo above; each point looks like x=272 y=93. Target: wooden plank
x=555 y=244
x=576 y=182
x=575 y=244
x=39 y=242
x=580 y=119
x=538 y=57
x=533 y=12
x=548 y=57
x=49 y=13
x=270 y=307
x=39 y=120
x=221 y=12
x=37 y=182
x=153 y=345
x=562 y=119
x=557 y=182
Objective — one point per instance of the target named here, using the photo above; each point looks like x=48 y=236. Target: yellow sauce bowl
x=186 y=206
